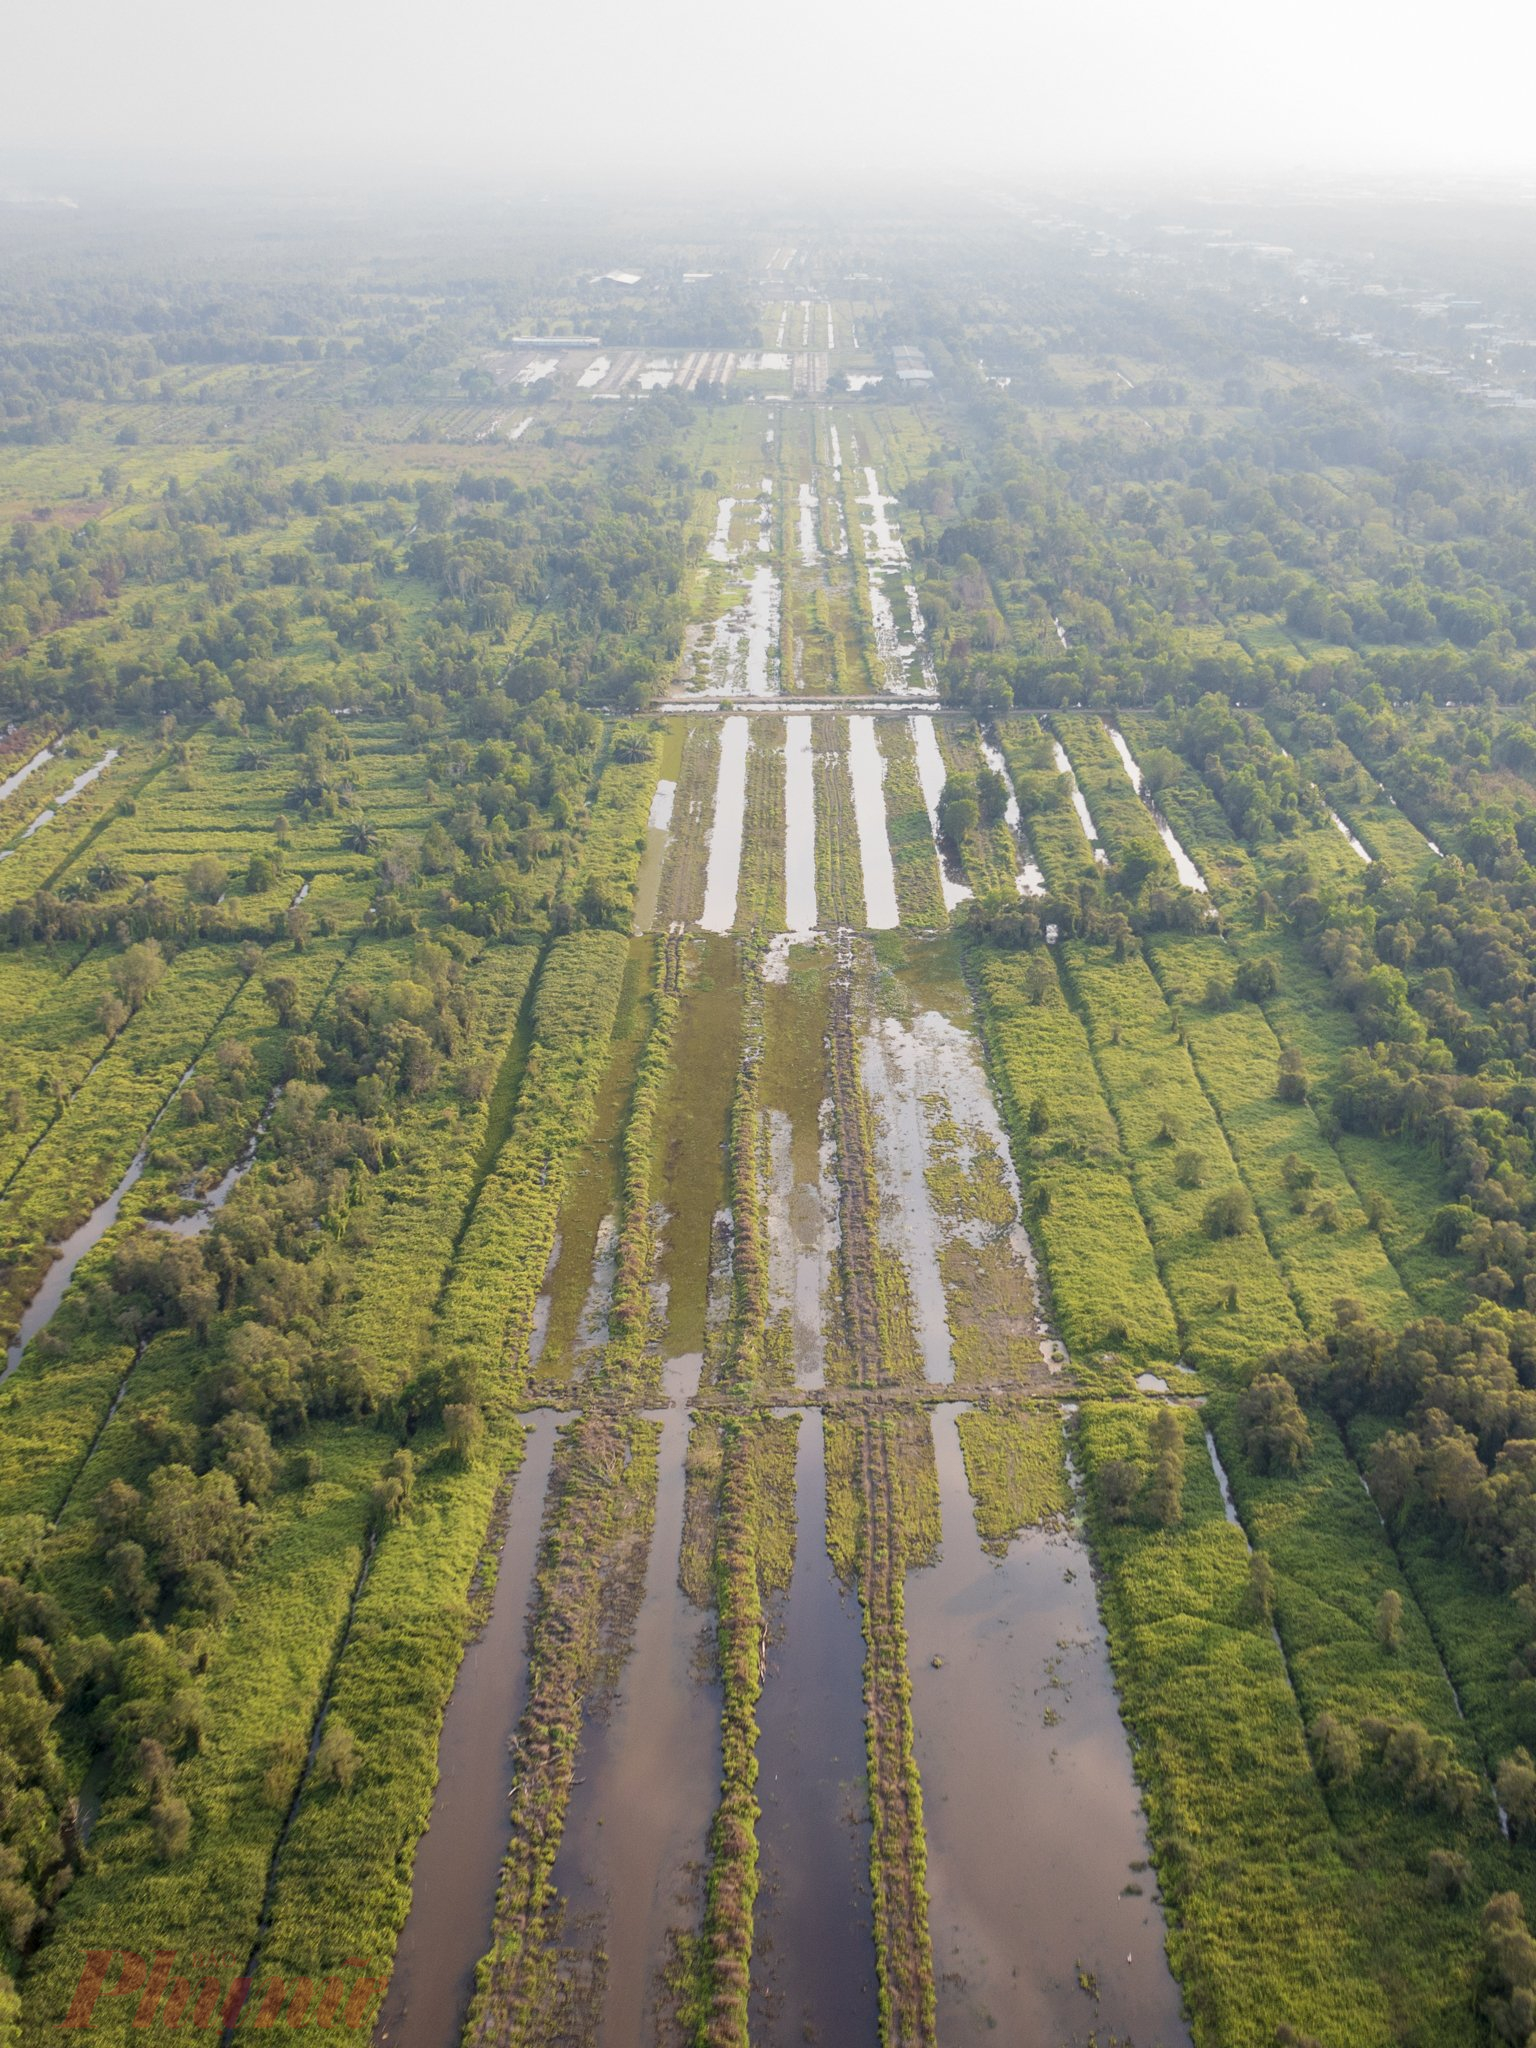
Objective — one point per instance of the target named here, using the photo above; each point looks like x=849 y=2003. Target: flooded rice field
x=1041 y=1902
x=458 y=1860
x=813 y=1957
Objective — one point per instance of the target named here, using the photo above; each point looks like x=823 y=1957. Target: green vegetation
x=1083 y=1213
x=908 y=828
x=1015 y=1464
x=324 y=1002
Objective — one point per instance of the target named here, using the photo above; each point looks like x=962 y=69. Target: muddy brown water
x=631 y=1861
x=1033 y=1817
x=813 y=1958
x=458 y=1860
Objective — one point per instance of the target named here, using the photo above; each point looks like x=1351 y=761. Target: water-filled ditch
x=1041 y=1902
x=458 y=1860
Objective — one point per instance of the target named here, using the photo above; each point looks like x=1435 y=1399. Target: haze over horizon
x=387 y=97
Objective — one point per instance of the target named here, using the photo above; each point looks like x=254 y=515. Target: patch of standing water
x=723 y=874
x=884 y=543
x=458 y=1860
x=810 y=553
x=592 y=1324
x=931 y=776
x=803 y=1223
x=895 y=1079
x=892 y=652
x=719 y=548
x=1185 y=868
x=800 y=906
x=1032 y=1815
x=866 y=771
x=646 y=1778
x=658 y=828
x=939 y=1064
x=1079 y=802
x=1030 y=879
x=659 y=818
x=741 y=644
x=813 y=1955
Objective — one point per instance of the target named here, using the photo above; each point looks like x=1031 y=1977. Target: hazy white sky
x=774 y=92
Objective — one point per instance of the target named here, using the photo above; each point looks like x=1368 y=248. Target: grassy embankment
x=268 y=1664
x=909 y=830
x=1082 y=1210
x=1016 y=1468
x=839 y=875
x=876 y=1347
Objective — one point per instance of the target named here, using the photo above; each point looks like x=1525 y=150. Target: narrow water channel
x=1184 y=867
x=1079 y=802
x=81 y=783
x=931 y=778
x=631 y=1861
x=866 y=771
x=800 y=907
x=813 y=1958
x=458 y=1860
x=14 y=781
x=1030 y=879
x=1038 y=1878
x=1354 y=844
x=720 y=883
x=40 y=1310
